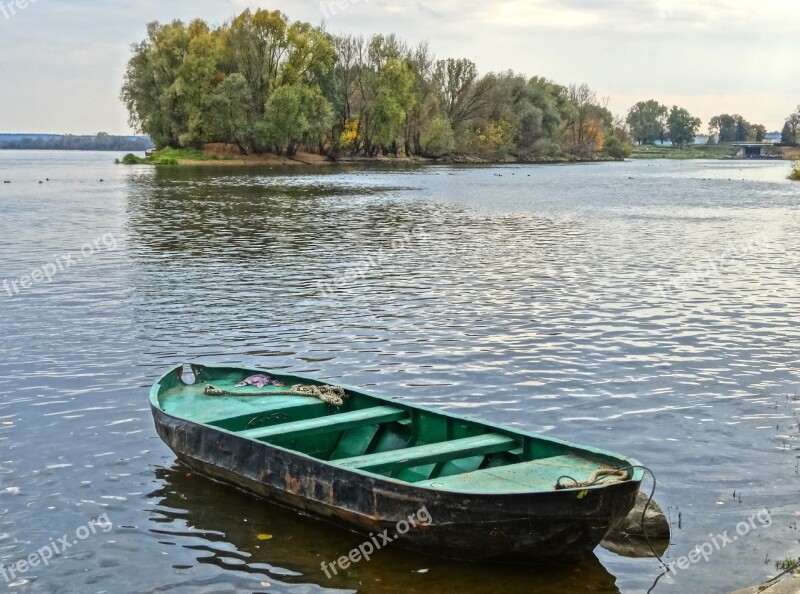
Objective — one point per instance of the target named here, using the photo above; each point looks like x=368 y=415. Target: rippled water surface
x=648 y=307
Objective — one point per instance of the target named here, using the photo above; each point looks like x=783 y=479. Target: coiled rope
x=600 y=475
x=334 y=395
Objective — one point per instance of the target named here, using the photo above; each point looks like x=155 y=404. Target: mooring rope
x=598 y=476
x=334 y=395
x=589 y=483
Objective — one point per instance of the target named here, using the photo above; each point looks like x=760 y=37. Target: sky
x=62 y=61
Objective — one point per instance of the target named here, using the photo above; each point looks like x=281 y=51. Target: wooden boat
x=369 y=465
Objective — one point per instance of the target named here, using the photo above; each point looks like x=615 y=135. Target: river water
x=647 y=307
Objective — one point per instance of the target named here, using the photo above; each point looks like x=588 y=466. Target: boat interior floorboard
x=430 y=454
x=536 y=475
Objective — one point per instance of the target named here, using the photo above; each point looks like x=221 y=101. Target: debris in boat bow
x=260 y=381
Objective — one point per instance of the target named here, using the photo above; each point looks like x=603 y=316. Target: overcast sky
x=62 y=61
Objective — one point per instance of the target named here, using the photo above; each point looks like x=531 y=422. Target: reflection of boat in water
x=374 y=465
x=231 y=522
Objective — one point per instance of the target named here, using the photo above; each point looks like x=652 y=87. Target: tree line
x=267 y=84
x=68 y=142
x=649 y=122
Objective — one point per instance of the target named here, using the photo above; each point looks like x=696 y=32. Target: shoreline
x=228 y=156
x=208 y=159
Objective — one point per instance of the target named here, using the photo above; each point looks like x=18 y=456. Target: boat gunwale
x=636 y=471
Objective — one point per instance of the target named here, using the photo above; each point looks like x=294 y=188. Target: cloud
x=63 y=72
x=538 y=15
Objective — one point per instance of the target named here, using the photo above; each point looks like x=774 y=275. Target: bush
x=437 y=138
x=131 y=159
x=795 y=174
x=617 y=149
x=546 y=147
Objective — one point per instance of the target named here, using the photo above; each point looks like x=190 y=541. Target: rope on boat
x=334 y=395
x=598 y=477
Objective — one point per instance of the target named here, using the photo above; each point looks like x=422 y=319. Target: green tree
x=257 y=46
x=227 y=107
x=424 y=106
x=788 y=135
x=311 y=52
x=536 y=112
x=195 y=80
x=682 y=126
x=148 y=91
x=758 y=132
x=437 y=137
x=391 y=105
x=320 y=115
x=648 y=121
x=791 y=127
x=742 y=129
x=284 y=123
x=618 y=144
x=724 y=125
x=617 y=149
x=293 y=114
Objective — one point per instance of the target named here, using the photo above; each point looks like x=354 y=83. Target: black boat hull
x=530 y=527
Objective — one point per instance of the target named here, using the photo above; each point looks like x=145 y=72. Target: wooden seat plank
x=328 y=424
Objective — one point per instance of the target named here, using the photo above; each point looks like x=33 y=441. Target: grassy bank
x=230 y=157
x=215 y=155
x=171 y=157
x=695 y=151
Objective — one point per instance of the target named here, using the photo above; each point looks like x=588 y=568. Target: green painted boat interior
x=383 y=436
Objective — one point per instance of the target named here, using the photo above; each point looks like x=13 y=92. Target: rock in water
x=655 y=521
x=628 y=539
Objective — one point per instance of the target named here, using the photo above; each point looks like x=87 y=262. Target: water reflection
x=222 y=527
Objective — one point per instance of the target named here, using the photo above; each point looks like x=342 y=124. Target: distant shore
x=706 y=151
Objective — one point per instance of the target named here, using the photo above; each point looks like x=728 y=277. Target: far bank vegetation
x=268 y=85
x=262 y=84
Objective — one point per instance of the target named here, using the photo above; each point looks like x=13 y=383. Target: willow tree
x=150 y=92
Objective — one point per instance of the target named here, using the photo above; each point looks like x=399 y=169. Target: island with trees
x=261 y=84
